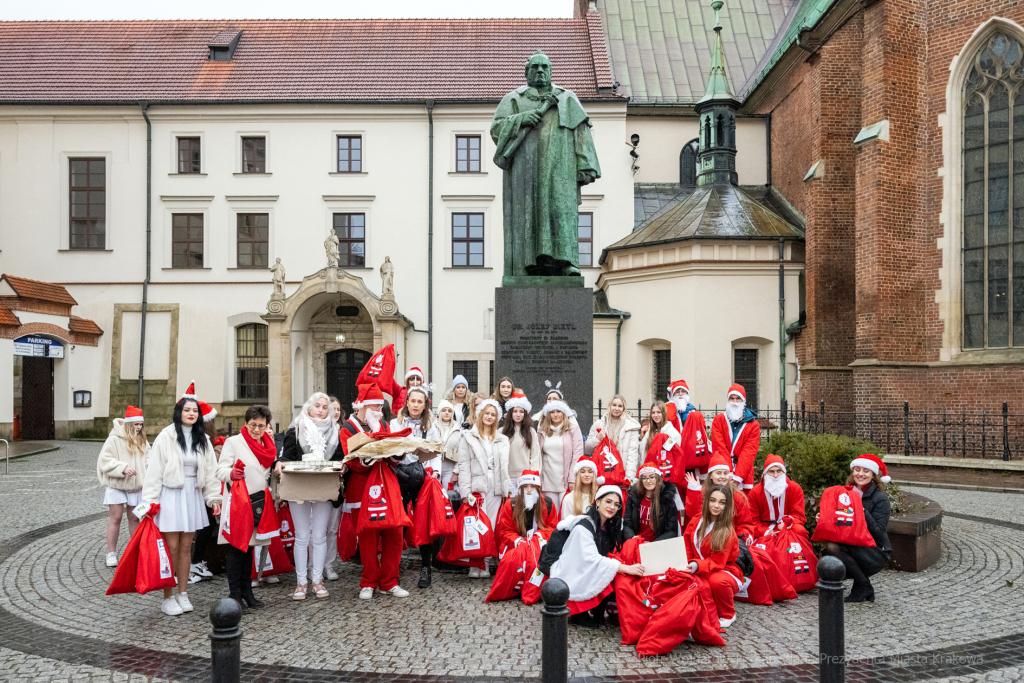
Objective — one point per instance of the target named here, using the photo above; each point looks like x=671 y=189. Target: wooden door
x=36 y=398
x=343 y=367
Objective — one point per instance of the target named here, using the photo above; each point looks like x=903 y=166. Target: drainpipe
x=430 y=246
x=782 y=324
x=149 y=243
x=618 y=346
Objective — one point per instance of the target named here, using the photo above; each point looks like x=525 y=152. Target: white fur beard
x=775 y=486
x=734 y=411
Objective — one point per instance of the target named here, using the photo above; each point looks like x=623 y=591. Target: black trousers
x=239 y=572
x=204 y=538
x=860 y=562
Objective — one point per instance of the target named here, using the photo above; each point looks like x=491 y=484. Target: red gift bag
x=470 y=541
x=284 y=516
x=684 y=615
x=348 y=543
x=842 y=518
x=635 y=608
x=669 y=459
x=512 y=574
x=534 y=577
x=236 y=523
x=442 y=516
x=778 y=585
x=277 y=563
x=792 y=554
x=146 y=564
x=418 y=533
x=755 y=589
x=695 y=449
x=609 y=463
x=382 y=501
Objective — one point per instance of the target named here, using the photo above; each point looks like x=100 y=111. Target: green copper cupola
x=716 y=152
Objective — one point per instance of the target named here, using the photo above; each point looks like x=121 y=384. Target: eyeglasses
x=649 y=477
x=255 y=427
x=614 y=504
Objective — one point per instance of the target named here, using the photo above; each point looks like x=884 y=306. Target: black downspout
x=768 y=139
x=430 y=246
x=149 y=251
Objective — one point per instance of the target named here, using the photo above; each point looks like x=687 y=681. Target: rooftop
x=83 y=326
x=41 y=291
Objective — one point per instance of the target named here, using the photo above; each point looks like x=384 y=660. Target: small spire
x=718 y=80
x=717 y=6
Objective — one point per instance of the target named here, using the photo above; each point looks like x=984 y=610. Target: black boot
x=861 y=592
x=246 y=584
x=234 y=564
x=425 y=577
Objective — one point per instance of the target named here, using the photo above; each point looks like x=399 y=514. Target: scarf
x=265 y=450
x=316 y=435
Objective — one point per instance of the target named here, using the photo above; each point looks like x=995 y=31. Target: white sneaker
x=474 y=573
x=365 y=593
x=726 y=623
x=183 y=602
x=397 y=592
x=171 y=608
x=483 y=574
x=203 y=570
x=111 y=559
x=271 y=579
x=330 y=574
x=255 y=582
x=194 y=578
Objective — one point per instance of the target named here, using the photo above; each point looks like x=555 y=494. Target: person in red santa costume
x=413 y=378
x=692 y=428
x=775 y=496
x=380 y=571
x=737 y=432
x=720 y=474
x=526 y=514
x=712 y=543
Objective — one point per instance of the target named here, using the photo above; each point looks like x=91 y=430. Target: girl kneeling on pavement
x=584 y=564
x=650 y=507
x=712 y=543
x=255 y=448
x=180 y=481
x=121 y=467
x=869 y=478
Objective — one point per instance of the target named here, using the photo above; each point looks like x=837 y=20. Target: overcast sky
x=277 y=9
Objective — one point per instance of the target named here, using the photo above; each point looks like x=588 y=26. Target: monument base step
x=543 y=281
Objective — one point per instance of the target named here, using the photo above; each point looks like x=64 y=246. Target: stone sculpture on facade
x=277 y=273
x=331 y=246
x=387 y=276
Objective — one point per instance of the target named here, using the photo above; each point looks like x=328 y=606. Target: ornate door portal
x=341 y=370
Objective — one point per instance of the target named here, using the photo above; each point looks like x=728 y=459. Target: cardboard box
x=311 y=486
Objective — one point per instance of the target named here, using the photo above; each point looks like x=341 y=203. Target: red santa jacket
x=695 y=445
x=506 y=534
x=743 y=452
x=766 y=512
x=742 y=516
x=355 y=483
x=707 y=562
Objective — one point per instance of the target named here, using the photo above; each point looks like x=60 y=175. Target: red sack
x=469 y=542
x=348 y=544
x=635 y=608
x=512 y=573
x=696 y=447
x=284 y=516
x=755 y=589
x=792 y=554
x=668 y=457
x=684 y=615
x=535 y=578
x=780 y=587
x=380 y=370
x=418 y=533
x=236 y=523
x=381 y=506
x=842 y=518
x=630 y=552
x=145 y=565
x=278 y=563
x=441 y=521
x=609 y=463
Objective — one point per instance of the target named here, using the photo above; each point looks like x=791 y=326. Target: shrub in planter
x=818 y=461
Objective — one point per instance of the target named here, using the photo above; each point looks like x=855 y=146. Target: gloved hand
x=154 y=510
x=518 y=541
x=467 y=426
x=238 y=471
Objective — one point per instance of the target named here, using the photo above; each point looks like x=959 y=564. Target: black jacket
x=667 y=524
x=292 y=450
x=877 y=509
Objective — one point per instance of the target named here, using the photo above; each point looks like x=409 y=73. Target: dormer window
x=222 y=47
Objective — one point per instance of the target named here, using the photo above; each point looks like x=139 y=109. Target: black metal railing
x=902 y=429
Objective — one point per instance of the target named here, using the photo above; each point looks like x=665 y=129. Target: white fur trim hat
x=490 y=402
x=608 y=488
x=445 y=403
x=556 y=405
x=529 y=477
x=873 y=463
x=415 y=372
x=518 y=400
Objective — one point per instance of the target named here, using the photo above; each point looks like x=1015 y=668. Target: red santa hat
x=648 y=468
x=132 y=414
x=518 y=400
x=873 y=463
x=678 y=384
x=208 y=411
x=529 y=477
x=719 y=462
x=588 y=463
x=772 y=461
x=415 y=372
x=738 y=390
x=369 y=395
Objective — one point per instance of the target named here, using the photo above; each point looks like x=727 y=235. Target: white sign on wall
x=38 y=346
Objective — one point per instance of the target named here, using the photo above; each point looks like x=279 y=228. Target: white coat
x=167 y=468
x=115 y=457
x=585 y=571
x=475 y=458
x=235 y=448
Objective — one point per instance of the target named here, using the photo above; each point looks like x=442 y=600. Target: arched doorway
x=342 y=369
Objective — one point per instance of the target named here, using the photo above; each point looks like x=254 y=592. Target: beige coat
x=474 y=462
x=235 y=449
x=166 y=468
x=116 y=457
x=628 y=444
x=520 y=457
x=451 y=436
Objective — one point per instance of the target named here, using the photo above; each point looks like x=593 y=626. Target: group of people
x=532 y=473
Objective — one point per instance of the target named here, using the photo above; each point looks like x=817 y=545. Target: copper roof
x=711 y=212
x=83 y=326
x=8 y=318
x=42 y=291
x=295 y=60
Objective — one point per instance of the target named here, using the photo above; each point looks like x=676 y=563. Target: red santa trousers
x=724 y=589
x=380 y=573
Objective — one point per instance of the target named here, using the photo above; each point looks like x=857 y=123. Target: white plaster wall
x=6 y=381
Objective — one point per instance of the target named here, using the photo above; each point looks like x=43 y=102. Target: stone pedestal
x=547 y=333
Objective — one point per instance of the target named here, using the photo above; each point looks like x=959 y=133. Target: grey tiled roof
x=661 y=49
x=650 y=198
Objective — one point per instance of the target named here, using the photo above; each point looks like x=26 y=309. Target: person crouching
x=712 y=542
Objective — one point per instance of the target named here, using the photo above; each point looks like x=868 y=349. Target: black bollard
x=554 y=659
x=831 y=636
x=225 y=641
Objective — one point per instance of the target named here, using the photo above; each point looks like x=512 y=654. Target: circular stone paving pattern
x=934 y=624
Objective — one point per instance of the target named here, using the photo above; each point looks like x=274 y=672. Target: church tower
x=716 y=152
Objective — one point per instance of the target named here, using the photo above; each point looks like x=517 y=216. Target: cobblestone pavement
x=960 y=617
x=999 y=479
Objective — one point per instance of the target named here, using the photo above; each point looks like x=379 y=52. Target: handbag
x=745 y=562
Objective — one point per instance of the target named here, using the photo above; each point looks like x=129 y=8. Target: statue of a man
x=545 y=146
x=387 y=276
x=277 y=272
x=331 y=245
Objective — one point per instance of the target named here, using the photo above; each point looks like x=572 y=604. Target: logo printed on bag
x=165 y=562
x=377 y=366
x=470 y=536
x=610 y=461
x=378 y=504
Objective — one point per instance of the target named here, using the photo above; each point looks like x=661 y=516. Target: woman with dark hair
x=868 y=476
x=503 y=392
x=584 y=564
x=657 y=422
x=523 y=444
x=525 y=514
x=713 y=547
x=650 y=507
x=180 y=481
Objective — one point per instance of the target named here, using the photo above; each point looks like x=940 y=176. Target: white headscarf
x=317 y=437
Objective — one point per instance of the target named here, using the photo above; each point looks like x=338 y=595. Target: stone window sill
x=187 y=269
x=347 y=173
x=251 y=175
x=465 y=174
x=470 y=269
x=197 y=175
x=85 y=251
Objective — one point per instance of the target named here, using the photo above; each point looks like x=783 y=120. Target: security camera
x=635 y=139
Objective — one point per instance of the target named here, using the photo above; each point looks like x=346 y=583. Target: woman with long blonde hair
x=121 y=468
x=712 y=544
x=584 y=489
x=623 y=430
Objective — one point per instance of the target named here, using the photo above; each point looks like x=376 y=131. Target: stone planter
x=916 y=536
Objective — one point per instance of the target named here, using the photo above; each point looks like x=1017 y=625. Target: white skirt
x=182 y=509
x=119 y=497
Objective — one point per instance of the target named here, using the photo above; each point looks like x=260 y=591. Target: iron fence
x=895 y=430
